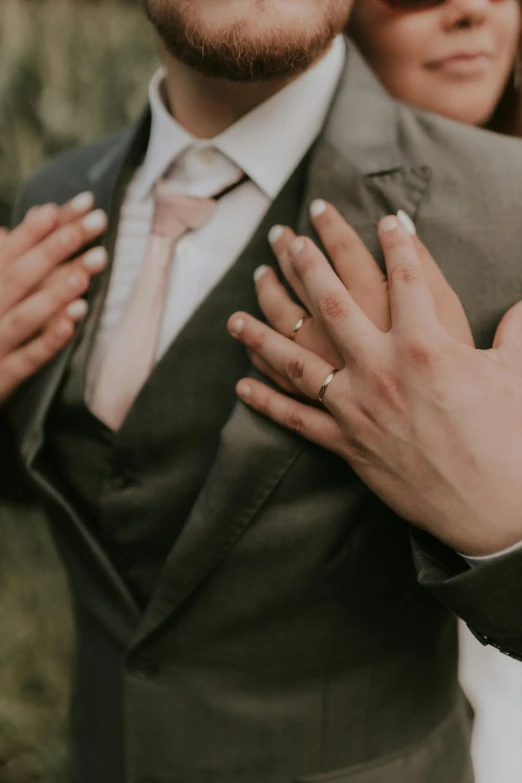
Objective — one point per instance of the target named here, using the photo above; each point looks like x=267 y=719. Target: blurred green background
x=70 y=71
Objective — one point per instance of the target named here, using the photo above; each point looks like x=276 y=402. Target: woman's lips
x=461 y=64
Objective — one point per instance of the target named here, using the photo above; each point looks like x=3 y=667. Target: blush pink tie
x=132 y=351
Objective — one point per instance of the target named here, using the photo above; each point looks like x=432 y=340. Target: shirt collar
x=267 y=143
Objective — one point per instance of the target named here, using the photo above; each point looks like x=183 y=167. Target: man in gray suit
x=247 y=610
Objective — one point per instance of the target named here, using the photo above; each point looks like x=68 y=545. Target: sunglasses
x=415 y=5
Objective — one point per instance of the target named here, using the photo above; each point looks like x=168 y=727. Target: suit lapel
x=356 y=165
x=107 y=178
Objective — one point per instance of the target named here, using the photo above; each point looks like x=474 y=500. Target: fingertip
x=389 y=224
x=83 y=202
x=244 y=390
x=297 y=246
x=95 y=222
x=236 y=324
x=78 y=309
x=275 y=234
x=260 y=272
x=96 y=260
x=407 y=222
x=392 y=231
x=318 y=208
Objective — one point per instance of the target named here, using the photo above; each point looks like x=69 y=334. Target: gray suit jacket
x=288 y=638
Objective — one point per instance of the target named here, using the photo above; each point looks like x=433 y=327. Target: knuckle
x=50 y=342
x=357 y=451
x=76 y=279
x=295 y=368
x=39 y=218
x=405 y=273
x=255 y=341
x=388 y=386
x=294 y=421
x=331 y=308
x=263 y=405
x=275 y=315
x=341 y=245
x=420 y=352
x=70 y=236
x=11 y=279
x=16 y=323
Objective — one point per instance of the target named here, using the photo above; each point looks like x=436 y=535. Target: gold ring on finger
x=326 y=384
x=299 y=325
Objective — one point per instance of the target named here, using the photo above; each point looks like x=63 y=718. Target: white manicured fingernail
x=96 y=259
x=78 y=309
x=297 y=246
x=275 y=233
x=389 y=223
x=318 y=208
x=260 y=271
x=407 y=222
x=95 y=221
x=237 y=327
x=82 y=202
x=244 y=391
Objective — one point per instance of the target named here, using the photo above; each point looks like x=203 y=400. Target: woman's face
x=454 y=59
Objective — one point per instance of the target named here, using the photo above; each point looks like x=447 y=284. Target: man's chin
x=278 y=46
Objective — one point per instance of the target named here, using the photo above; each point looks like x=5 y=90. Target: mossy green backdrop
x=70 y=71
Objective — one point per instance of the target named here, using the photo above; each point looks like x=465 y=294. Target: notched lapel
x=358 y=164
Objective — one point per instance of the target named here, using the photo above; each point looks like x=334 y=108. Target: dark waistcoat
x=135 y=488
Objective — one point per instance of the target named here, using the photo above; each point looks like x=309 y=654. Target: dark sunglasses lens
x=413 y=5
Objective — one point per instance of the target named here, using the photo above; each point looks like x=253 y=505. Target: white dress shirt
x=267 y=144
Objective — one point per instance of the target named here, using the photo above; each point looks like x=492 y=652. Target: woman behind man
x=458 y=58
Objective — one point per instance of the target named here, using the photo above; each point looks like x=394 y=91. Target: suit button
x=144 y=667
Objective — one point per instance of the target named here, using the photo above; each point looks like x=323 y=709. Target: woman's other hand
x=41 y=288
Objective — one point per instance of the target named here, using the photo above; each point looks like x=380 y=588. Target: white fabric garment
x=267 y=144
x=493 y=684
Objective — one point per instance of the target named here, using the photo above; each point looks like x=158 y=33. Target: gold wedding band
x=326 y=384
x=299 y=325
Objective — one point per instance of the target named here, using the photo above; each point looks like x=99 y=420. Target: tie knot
x=202 y=171
x=175 y=213
x=186 y=198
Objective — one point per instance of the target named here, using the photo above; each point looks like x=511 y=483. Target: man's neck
x=206 y=107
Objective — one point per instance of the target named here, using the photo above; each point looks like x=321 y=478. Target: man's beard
x=231 y=52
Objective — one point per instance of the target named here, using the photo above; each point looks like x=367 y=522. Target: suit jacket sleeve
x=487 y=598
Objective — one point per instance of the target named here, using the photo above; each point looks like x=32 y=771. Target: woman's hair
x=507 y=117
